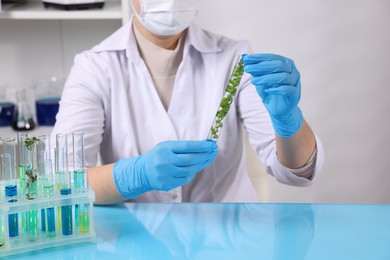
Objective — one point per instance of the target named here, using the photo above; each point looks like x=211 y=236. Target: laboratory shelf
x=34 y=10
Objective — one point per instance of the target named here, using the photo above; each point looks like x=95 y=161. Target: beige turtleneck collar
x=162 y=65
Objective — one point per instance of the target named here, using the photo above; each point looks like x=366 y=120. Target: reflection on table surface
x=234 y=231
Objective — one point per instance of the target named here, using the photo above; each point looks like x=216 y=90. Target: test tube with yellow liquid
x=80 y=182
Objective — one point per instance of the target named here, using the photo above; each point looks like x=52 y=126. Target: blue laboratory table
x=233 y=231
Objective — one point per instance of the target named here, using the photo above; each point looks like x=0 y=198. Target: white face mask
x=167 y=17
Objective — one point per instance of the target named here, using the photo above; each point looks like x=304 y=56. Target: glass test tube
x=61 y=160
x=10 y=193
x=8 y=164
x=47 y=183
x=22 y=136
x=226 y=101
x=42 y=152
x=80 y=182
x=64 y=182
x=29 y=166
x=2 y=239
x=60 y=163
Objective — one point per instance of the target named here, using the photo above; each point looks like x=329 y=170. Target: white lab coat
x=111 y=96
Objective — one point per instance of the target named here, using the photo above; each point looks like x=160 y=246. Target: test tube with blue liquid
x=64 y=182
x=10 y=194
x=46 y=184
x=80 y=182
x=8 y=165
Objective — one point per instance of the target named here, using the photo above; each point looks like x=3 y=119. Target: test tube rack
x=21 y=243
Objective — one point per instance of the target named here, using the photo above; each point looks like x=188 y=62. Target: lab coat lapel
x=157 y=116
x=192 y=106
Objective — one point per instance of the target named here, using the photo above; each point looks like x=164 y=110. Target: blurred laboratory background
x=340 y=47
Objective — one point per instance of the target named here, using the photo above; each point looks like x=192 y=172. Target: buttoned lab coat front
x=111 y=96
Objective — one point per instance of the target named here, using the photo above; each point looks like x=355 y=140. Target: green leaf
x=30 y=141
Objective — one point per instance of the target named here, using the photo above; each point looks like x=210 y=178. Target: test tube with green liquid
x=80 y=182
x=8 y=164
x=64 y=182
x=29 y=165
x=2 y=237
x=22 y=136
x=43 y=153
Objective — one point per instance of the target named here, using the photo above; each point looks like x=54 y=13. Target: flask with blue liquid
x=7 y=108
x=47 y=100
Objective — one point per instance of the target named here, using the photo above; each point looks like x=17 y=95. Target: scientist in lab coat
x=146 y=97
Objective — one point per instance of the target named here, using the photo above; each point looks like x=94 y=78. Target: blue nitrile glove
x=277 y=82
x=167 y=166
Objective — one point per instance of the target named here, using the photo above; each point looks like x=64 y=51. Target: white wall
x=342 y=51
x=32 y=49
x=340 y=47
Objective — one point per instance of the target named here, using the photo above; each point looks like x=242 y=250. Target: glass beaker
x=23 y=119
x=48 y=93
x=7 y=108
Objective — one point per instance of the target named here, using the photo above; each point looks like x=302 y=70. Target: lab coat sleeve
x=81 y=106
x=258 y=126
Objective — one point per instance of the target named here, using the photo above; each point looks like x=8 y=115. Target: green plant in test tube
x=29 y=165
x=80 y=182
x=29 y=160
x=224 y=105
